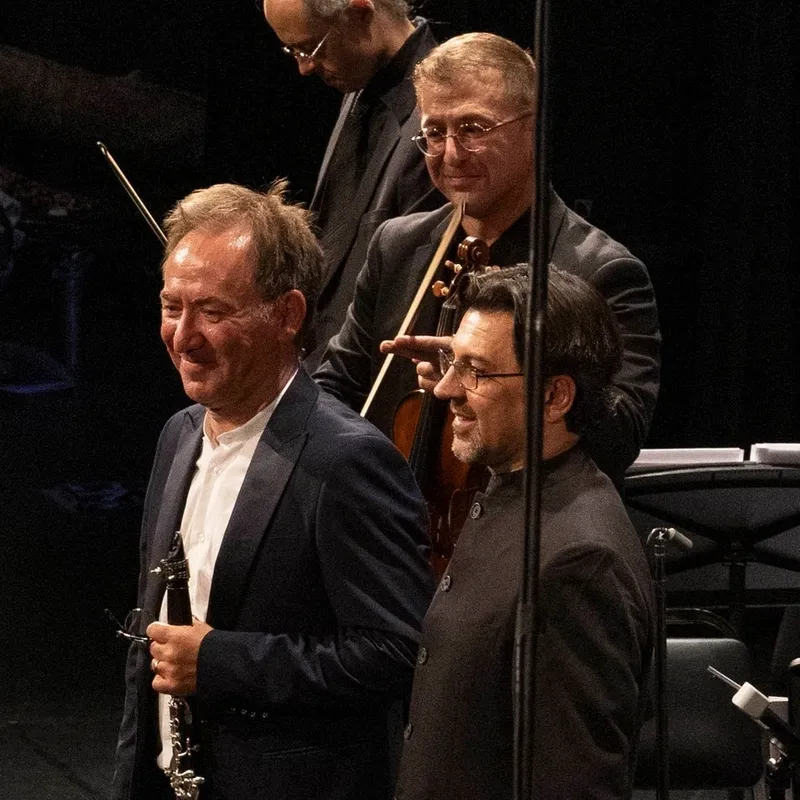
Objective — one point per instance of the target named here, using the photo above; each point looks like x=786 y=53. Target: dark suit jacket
x=316 y=601
x=398 y=257
x=594 y=650
x=395 y=182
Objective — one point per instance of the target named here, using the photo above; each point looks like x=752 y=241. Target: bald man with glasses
x=371 y=171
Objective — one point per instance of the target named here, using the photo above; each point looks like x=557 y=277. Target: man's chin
x=337 y=83
x=198 y=392
x=466 y=451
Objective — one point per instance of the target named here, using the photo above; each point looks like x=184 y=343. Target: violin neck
x=427 y=438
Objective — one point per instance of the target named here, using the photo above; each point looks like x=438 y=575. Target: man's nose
x=449 y=386
x=306 y=66
x=186 y=335
x=453 y=150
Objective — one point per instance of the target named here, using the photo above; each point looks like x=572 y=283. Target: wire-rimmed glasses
x=135 y=625
x=467 y=375
x=470 y=135
x=301 y=55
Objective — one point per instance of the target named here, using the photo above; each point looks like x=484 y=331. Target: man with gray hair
x=305 y=535
x=371 y=171
x=476 y=94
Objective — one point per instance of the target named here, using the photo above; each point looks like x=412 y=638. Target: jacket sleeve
x=594 y=653
x=371 y=540
x=346 y=368
x=128 y=762
x=626 y=286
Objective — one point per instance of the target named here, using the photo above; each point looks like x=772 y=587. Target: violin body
x=448 y=485
x=423 y=425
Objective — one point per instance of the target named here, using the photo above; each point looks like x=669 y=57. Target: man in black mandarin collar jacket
x=594 y=608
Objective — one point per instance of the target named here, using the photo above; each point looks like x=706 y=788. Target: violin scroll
x=473 y=255
x=473 y=252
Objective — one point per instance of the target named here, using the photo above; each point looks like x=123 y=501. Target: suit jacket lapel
x=400 y=102
x=347 y=105
x=173 y=501
x=558 y=214
x=338 y=244
x=272 y=465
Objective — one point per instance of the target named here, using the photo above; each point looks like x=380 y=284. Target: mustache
x=462 y=410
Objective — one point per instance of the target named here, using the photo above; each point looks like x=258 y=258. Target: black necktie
x=346 y=166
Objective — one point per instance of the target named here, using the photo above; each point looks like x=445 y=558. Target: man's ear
x=559 y=395
x=291 y=308
x=360 y=11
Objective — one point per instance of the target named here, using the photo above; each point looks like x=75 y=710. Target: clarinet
x=181 y=772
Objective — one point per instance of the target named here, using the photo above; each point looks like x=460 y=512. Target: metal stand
x=657 y=543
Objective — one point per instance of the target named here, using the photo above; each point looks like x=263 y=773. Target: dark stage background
x=674 y=130
x=673 y=125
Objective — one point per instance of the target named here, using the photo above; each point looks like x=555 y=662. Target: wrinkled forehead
x=485 y=337
x=436 y=97
x=212 y=254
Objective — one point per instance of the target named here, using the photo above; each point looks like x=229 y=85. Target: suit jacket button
x=476 y=510
x=422 y=656
x=409 y=729
x=446 y=583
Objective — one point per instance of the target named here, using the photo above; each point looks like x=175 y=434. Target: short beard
x=470 y=451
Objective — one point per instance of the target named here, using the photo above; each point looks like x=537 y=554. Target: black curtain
x=677 y=124
x=674 y=130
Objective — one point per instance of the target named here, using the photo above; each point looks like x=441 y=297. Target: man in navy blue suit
x=304 y=532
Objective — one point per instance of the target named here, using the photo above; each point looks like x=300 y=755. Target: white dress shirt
x=219 y=474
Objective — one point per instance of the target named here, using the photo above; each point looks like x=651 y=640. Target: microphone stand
x=657 y=543
x=527 y=621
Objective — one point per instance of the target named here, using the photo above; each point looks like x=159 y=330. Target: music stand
x=736 y=508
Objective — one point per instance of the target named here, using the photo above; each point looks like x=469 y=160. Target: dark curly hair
x=581 y=335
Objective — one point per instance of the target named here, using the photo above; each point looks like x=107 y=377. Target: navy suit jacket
x=316 y=602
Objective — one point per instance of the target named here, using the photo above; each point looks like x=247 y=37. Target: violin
x=413 y=310
x=422 y=428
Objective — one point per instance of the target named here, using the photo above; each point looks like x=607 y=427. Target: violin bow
x=413 y=310
x=137 y=201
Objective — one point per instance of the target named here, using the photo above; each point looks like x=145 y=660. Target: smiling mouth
x=192 y=365
x=461 y=419
x=462 y=426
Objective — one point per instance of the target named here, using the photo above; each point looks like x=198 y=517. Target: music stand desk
x=736 y=507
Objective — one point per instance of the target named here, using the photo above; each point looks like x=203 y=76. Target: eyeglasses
x=301 y=55
x=466 y=375
x=470 y=135
x=135 y=625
